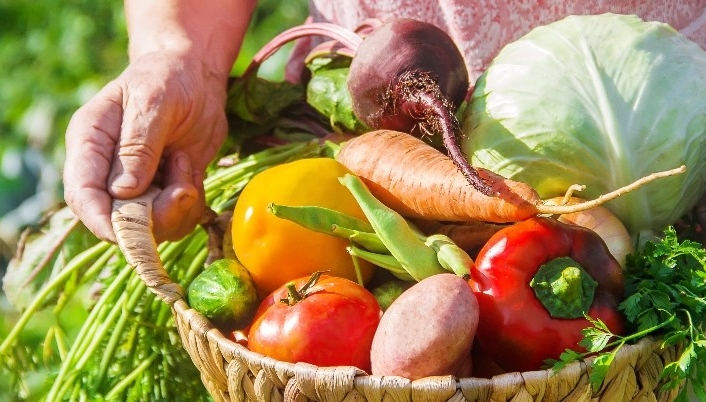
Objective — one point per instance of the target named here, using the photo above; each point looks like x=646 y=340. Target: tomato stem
x=295 y=295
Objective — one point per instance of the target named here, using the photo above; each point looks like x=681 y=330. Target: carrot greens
x=127 y=348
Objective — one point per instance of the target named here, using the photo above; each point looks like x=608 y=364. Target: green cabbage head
x=598 y=100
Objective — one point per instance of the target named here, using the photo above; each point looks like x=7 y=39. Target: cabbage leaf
x=598 y=100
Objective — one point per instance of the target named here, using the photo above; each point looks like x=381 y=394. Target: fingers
x=142 y=125
x=142 y=139
x=90 y=143
x=180 y=205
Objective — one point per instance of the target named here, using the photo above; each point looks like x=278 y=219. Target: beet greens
x=405 y=75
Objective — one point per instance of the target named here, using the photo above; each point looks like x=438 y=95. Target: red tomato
x=329 y=321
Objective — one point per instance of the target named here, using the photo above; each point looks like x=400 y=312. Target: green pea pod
x=369 y=240
x=388 y=241
x=319 y=219
x=382 y=260
x=331 y=222
x=450 y=255
x=419 y=260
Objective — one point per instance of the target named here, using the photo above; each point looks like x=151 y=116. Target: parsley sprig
x=665 y=285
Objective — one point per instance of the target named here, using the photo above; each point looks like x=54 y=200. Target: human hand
x=159 y=123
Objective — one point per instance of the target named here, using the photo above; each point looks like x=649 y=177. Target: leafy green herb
x=666 y=297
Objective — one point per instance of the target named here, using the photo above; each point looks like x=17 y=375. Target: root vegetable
x=392 y=50
x=428 y=330
x=409 y=76
x=418 y=181
x=601 y=221
x=405 y=75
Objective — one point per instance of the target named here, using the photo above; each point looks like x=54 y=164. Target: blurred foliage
x=271 y=18
x=54 y=56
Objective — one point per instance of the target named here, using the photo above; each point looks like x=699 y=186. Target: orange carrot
x=419 y=181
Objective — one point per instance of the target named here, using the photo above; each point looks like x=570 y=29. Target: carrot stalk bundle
x=418 y=181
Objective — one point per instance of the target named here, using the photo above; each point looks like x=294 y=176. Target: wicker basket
x=231 y=372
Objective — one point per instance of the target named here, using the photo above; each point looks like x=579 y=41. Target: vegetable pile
x=357 y=234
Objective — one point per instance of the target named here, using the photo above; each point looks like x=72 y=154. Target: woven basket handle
x=132 y=224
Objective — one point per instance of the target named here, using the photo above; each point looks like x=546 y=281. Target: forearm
x=210 y=30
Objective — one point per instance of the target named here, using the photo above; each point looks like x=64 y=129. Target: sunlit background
x=54 y=55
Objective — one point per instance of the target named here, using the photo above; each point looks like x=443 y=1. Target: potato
x=428 y=330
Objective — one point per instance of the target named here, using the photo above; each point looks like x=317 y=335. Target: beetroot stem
x=346 y=37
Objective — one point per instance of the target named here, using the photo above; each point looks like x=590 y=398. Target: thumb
x=137 y=154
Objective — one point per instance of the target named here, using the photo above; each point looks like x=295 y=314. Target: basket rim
x=212 y=334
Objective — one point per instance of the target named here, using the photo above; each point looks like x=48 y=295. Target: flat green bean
x=395 y=232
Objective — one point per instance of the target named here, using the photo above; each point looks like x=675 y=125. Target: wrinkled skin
x=160 y=107
x=161 y=121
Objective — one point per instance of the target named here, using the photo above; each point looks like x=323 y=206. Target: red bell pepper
x=534 y=282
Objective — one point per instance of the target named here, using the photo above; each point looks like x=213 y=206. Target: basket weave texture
x=231 y=372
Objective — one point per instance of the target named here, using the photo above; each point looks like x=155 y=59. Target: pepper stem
x=564 y=288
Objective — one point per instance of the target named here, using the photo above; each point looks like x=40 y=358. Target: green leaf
x=673 y=338
x=665 y=285
x=327 y=92
x=631 y=306
x=595 y=339
x=43 y=254
x=598 y=324
x=254 y=105
x=567 y=356
x=680 y=367
x=258 y=100
x=647 y=319
x=599 y=368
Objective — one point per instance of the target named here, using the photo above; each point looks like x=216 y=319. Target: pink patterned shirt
x=482 y=27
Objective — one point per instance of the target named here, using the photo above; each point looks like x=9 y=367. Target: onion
x=603 y=222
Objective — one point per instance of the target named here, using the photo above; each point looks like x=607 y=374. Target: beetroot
x=409 y=76
x=394 y=57
x=405 y=75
